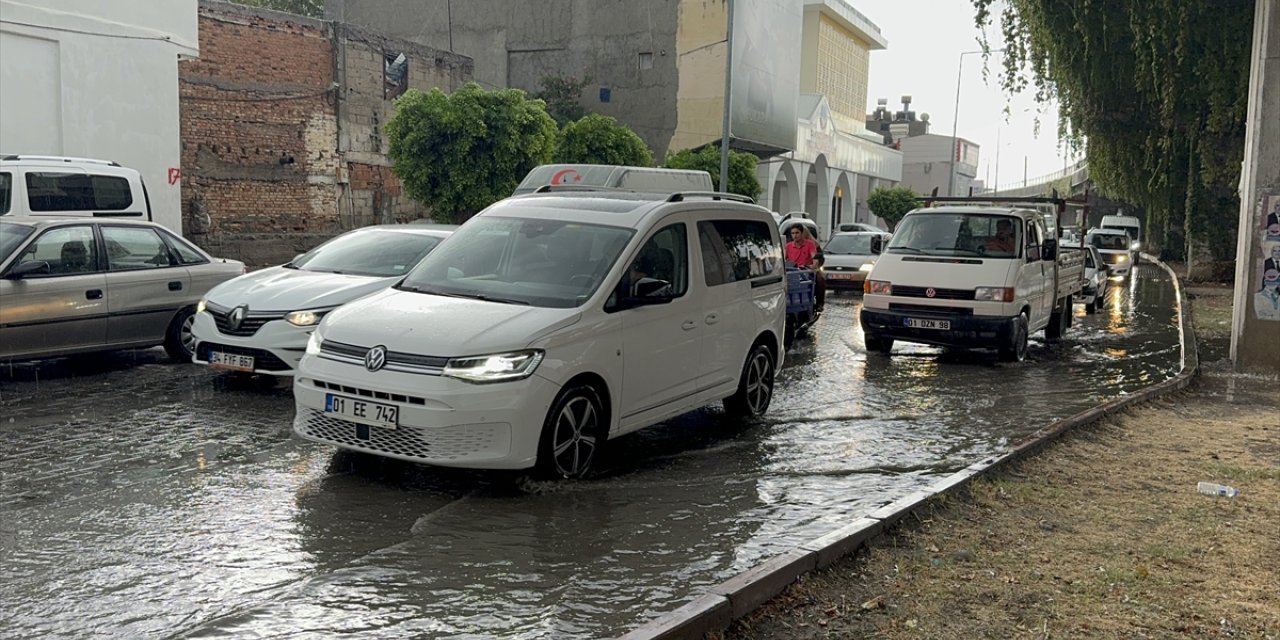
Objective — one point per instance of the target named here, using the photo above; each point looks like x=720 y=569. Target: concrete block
x=843 y=541
x=896 y=510
x=757 y=585
x=951 y=482
x=691 y=622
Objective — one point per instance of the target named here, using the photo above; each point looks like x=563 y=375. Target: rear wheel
x=1016 y=349
x=1060 y=321
x=572 y=433
x=179 y=342
x=755 y=385
x=1091 y=307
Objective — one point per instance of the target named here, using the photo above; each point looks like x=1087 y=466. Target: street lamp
x=955 y=122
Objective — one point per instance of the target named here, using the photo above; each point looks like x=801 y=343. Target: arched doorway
x=786 y=188
x=842 y=200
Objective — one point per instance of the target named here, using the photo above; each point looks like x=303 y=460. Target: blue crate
x=799 y=290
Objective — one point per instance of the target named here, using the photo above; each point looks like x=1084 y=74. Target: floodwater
x=143 y=499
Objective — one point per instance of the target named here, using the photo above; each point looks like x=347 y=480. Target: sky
x=926 y=38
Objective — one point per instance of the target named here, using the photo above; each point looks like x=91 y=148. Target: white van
x=1131 y=225
x=550 y=323
x=645 y=179
x=61 y=186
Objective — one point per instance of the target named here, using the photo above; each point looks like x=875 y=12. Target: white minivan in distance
x=62 y=186
x=550 y=323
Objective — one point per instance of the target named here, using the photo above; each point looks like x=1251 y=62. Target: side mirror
x=25 y=269
x=877 y=245
x=1050 y=250
x=649 y=291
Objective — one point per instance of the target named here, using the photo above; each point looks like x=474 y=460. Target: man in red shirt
x=801 y=249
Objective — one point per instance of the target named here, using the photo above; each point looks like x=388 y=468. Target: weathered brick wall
x=282 y=143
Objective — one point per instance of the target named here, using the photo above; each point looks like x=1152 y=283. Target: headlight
x=498 y=367
x=1122 y=258
x=866 y=267
x=313 y=343
x=1135 y=246
x=305 y=318
x=877 y=286
x=202 y=305
x=993 y=294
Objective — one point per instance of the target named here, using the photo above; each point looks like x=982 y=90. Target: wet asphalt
x=140 y=498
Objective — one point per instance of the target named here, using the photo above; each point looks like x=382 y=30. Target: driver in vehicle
x=1002 y=242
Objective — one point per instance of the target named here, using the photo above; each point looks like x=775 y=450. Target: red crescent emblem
x=565 y=176
x=930 y=292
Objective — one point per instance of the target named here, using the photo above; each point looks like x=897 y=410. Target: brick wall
x=281 y=121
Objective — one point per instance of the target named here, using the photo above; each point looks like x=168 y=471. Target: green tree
x=599 y=139
x=562 y=93
x=309 y=8
x=892 y=203
x=457 y=153
x=742 y=168
x=1158 y=89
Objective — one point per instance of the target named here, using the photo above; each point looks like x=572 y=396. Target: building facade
x=282 y=129
x=929 y=161
x=99 y=80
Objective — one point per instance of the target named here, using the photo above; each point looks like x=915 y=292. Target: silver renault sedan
x=78 y=285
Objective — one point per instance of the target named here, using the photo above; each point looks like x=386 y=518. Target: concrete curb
x=746 y=591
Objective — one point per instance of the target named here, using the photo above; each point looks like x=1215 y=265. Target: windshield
x=852 y=245
x=12 y=235
x=958 y=234
x=543 y=263
x=368 y=252
x=1111 y=241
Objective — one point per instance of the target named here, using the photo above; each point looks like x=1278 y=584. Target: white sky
x=926 y=38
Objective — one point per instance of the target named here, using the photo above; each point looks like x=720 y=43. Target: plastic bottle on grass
x=1215 y=489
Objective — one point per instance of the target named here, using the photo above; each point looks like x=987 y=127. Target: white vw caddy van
x=552 y=322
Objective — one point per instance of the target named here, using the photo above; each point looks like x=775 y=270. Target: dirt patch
x=1100 y=536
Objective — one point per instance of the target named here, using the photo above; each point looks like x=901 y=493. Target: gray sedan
x=78 y=285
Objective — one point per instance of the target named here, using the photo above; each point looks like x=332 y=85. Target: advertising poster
x=765 y=71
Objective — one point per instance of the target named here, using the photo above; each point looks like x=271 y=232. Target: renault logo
x=237 y=316
x=376 y=358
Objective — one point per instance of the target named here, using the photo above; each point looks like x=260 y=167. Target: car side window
x=734 y=250
x=133 y=248
x=664 y=256
x=68 y=250
x=1033 y=242
x=186 y=253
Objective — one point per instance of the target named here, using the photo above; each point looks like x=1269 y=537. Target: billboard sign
x=765 y=72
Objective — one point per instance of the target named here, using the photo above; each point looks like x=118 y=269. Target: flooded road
x=142 y=499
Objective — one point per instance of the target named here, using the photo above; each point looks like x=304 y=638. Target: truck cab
x=971 y=276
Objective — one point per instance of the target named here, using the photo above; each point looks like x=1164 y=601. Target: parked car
x=859 y=226
x=792 y=219
x=646 y=179
x=1113 y=244
x=260 y=322
x=849 y=256
x=62 y=186
x=77 y=285
x=550 y=323
x=1096 y=279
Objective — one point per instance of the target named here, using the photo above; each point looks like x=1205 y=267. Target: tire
x=178 y=341
x=572 y=433
x=1016 y=350
x=755 y=385
x=1060 y=321
x=1091 y=307
x=878 y=344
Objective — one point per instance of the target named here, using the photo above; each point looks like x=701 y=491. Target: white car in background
x=1096 y=278
x=1113 y=244
x=260 y=322
x=849 y=257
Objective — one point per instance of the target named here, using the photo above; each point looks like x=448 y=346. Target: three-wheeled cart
x=801 y=312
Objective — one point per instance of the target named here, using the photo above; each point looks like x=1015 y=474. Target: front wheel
x=179 y=342
x=755 y=385
x=879 y=344
x=572 y=433
x=1016 y=349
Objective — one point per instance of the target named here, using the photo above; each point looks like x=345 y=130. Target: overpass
x=1069 y=181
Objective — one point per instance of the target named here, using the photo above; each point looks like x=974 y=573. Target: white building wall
x=99 y=80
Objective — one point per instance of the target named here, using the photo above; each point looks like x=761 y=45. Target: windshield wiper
x=469 y=296
x=906 y=248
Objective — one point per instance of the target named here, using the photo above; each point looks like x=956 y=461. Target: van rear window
x=52 y=191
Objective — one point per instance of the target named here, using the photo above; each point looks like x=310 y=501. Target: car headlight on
x=313 y=343
x=866 y=267
x=1135 y=246
x=497 y=367
x=880 y=287
x=993 y=294
x=202 y=305
x=305 y=318
x=1122 y=258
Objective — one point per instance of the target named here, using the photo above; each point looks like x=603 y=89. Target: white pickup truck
x=971 y=276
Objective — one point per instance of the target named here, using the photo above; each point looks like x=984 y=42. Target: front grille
x=369 y=393
x=1112 y=258
x=938 y=293
x=450 y=443
x=253 y=320
x=920 y=308
x=396 y=360
x=263 y=360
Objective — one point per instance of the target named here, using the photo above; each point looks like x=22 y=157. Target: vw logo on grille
x=376 y=358
x=237 y=316
x=930 y=292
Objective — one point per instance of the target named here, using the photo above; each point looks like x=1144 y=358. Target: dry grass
x=1101 y=536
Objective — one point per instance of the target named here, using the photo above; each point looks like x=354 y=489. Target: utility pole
x=955 y=125
x=728 y=88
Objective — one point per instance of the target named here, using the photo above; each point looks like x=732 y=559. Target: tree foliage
x=742 y=168
x=309 y=8
x=599 y=139
x=562 y=95
x=892 y=203
x=1156 y=89
x=457 y=153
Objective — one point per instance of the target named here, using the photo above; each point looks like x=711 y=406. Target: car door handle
x=713 y=318
x=93 y=294
x=176 y=285
x=689 y=325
